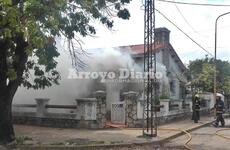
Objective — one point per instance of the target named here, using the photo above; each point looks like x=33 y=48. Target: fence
x=91 y=112
x=87 y=113
x=170 y=110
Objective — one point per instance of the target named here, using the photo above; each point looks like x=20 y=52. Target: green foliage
x=11 y=74
x=21 y=139
x=164 y=97
x=29 y=29
x=202 y=73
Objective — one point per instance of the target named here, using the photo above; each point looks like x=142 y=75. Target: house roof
x=139 y=50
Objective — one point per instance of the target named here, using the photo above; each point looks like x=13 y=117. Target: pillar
x=101 y=108
x=41 y=106
x=131 y=108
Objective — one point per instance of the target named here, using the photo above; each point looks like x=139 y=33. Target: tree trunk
x=8 y=90
x=6 y=96
x=6 y=125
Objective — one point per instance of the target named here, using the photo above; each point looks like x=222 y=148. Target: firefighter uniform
x=196 y=109
x=219 y=106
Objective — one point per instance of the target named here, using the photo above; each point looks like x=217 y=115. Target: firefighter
x=219 y=106
x=196 y=109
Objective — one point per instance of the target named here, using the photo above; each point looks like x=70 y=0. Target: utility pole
x=150 y=84
x=214 y=81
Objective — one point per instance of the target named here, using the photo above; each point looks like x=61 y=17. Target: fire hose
x=185 y=132
x=221 y=135
x=189 y=137
x=173 y=129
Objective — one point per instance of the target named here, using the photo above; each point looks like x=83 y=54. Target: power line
x=178 y=9
x=184 y=32
x=199 y=4
x=186 y=21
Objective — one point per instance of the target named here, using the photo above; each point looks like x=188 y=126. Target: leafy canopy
x=202 y=71
x=28 y=31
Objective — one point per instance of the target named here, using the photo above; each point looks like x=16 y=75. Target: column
x=41 y=106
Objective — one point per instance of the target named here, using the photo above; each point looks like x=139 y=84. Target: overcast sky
x=200 y=26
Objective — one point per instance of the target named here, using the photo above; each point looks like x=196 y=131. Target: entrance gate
x=118 y=113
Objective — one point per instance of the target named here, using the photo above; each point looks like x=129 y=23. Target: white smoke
x=69 y=89
x=106 y=59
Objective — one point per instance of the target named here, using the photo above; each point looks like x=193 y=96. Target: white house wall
x=164 y=57
x=175 y=75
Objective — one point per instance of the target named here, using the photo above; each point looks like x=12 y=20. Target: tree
x=202 y=71
x=28 y=31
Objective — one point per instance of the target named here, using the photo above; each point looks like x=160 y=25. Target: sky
x=197 y=21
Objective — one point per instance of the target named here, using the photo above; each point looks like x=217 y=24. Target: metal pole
x=149 y=63
x=214 y=84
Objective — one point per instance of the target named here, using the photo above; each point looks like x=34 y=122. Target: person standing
x=219 y=106
x=196 y=109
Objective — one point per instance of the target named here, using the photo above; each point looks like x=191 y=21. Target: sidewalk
x=45 y=136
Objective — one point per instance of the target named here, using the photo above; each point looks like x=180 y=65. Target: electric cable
x=184 y=32
x=187 y=22
x=198 y=4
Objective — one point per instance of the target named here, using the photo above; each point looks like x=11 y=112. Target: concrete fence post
x=101 y=108
x=165 y=103
x=190 y=106
x=41 y=106
x=180 y=104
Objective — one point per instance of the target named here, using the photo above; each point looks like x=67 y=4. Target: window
x=173 y=87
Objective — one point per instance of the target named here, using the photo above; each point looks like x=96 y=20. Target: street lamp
x=214 y=86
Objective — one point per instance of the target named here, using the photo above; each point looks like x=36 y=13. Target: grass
x=78 y=142
x=144 y=136
x=22 y=139
x=116 y=142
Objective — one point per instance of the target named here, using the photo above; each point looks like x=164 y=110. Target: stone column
x=131 y=108
x=101 y=108
x=41 y=106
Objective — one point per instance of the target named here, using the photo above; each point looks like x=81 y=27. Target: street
x=205 y=139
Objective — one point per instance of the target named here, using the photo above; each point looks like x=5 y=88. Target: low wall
x=65 y=121
x=91 y=112
x=170 y=110
x=55 y=122
x=87 y=113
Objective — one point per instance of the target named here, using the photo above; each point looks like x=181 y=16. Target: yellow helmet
x=196 y=95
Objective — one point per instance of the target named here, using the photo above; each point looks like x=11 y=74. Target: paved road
x=47 y=135
x=202 y=139
x=205 y=139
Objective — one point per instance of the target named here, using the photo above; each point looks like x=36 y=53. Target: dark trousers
x=219 y=118
x=196 y=116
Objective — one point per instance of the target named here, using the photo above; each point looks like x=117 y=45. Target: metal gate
x=118 y=113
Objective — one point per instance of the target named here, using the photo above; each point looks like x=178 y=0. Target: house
x=166 y=56
x=118 y=102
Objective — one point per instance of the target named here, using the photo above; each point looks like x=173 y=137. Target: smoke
x=164 y=81
x=99 y=60
x=105 y=60
x=112 y=60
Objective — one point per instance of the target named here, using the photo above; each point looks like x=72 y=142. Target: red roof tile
x=139 y=49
